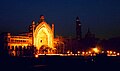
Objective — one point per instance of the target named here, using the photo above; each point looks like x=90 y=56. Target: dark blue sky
x=101 y=16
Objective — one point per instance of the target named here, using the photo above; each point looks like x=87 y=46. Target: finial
x=88 y=30
x=41 y=18
x=77 y=18
x=33 y=22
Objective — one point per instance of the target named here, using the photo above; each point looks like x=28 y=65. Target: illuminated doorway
x=43 y=35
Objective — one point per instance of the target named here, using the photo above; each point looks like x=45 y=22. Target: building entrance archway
x=43 y=35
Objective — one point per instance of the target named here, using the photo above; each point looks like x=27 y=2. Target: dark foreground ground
x=57 y=63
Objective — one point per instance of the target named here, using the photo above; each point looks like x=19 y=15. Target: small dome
x=42 y=17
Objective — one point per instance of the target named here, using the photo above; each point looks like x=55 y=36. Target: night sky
x=101 y=16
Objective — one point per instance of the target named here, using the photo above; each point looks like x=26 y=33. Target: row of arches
x=29 y=50
x=20 y=50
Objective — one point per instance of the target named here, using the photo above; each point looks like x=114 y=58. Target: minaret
x=53 y=28
x=78 y=29
x=53 y=34
x=89 y=34
x=33 y=28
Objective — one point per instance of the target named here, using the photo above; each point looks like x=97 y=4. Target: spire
x=33 y=22
x=77 y=18
x=88 y=31
x=89 y=34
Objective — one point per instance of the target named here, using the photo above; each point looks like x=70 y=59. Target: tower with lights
x=78 y=29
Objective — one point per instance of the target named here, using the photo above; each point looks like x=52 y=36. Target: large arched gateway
x=43 y=35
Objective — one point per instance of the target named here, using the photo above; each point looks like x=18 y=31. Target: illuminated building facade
x=39 y=39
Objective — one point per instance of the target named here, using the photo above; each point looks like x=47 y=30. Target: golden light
x=108 y=51
x=114 y=52
x=43 y=35
x=68 y=52
x=75 y=54
x=78 y=52
x=118 y=54
x=111 y=52
x=86 y=52
x=94 y=54
x=36 y=56
x=102 y=51
x=83 y=52
x=43 y=38
x=96 y=50
x=89 y=52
